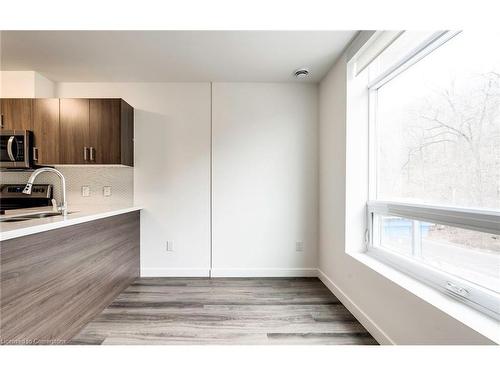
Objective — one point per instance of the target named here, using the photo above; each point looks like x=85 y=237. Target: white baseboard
x=264 y=272
x=174 y=272
x=228 y=272
x=359 y=314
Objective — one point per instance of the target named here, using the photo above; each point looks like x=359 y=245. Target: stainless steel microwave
x=16 y=148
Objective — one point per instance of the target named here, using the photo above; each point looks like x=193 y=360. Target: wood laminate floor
x=225 y=311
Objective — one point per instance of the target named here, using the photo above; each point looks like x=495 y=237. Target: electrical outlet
x=299 y=246
x=85 y=191
x=170 y=246
x=106 y=191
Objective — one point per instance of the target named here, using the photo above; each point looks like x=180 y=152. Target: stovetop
x=12 y=197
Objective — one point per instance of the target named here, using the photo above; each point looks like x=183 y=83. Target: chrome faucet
x=63 y=208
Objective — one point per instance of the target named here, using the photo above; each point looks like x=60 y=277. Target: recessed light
x=301 y=73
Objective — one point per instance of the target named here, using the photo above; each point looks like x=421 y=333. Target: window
x=434 y=162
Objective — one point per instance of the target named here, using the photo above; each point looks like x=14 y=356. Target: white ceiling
x=163 y=56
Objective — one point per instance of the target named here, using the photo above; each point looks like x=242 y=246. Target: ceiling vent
x=301 y=73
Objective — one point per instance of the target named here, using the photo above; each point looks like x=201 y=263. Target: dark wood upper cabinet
x=46 y=131
x=74 y=131
x=111 y=132
x=16 y=114
x=105 y=131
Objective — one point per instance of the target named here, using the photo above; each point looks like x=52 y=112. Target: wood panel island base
x=55 y=282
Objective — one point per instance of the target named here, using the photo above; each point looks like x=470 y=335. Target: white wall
x=264 y=179
x=391 y=313
x=17 y=84
x=264 y=175
x=25 y=84
x=44 y=87
x=172 y=170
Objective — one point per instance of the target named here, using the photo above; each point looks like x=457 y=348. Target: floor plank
x=271 y=311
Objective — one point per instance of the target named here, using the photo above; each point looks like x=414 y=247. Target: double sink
x=39 y=215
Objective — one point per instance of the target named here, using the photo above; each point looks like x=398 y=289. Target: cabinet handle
x=1 y=121
x=92 y=154
x=35 y=153
x=85 y=152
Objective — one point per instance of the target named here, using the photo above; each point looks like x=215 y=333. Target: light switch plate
x=85 y=191
x=106 y=191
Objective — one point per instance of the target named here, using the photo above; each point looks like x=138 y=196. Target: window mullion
x=372 y=145
x=417 y=238
x=473 y=219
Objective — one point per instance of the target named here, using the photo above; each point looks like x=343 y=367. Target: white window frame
x=473 y=295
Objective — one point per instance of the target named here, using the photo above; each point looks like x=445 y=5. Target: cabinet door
x=46 y=131
x=74 y=131
x=127 y=134
x=105 y=131
x=16 y=114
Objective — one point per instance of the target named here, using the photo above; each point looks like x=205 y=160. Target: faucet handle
x=54 y=205
x=27 y=188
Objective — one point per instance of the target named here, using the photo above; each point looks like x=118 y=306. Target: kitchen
x=152 y=193
x=159 y=149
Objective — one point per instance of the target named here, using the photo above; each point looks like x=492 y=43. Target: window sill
x=479 y=322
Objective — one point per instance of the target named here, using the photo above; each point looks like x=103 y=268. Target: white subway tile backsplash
x=120 y=179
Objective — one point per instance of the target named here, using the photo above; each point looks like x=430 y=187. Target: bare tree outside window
x=439 y=129
x=463 y=124
x=438 y=142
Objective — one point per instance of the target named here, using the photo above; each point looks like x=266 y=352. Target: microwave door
x=6 y=155
x=13 y=151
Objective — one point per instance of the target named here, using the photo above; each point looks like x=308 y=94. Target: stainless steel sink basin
x=12 y=219
x=39 y=215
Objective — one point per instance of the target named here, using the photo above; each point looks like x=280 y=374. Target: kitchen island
x=58 y=272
